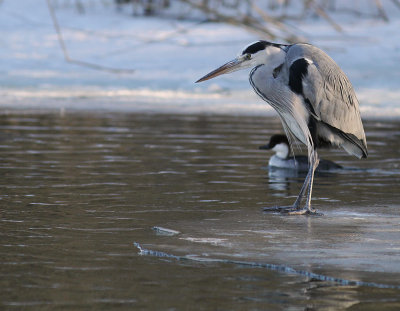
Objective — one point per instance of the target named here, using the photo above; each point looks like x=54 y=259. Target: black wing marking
x=297 y=74
x=297 y=71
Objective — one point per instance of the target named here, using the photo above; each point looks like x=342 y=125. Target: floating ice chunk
x=165 y=231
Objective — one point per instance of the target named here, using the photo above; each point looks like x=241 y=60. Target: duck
x=281 y=159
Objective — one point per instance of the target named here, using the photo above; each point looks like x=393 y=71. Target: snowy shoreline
x=147 y=101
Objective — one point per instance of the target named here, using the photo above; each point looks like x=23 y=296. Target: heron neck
x=274 y=57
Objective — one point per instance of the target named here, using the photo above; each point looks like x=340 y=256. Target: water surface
x=78 y=189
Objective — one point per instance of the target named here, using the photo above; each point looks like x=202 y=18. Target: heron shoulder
x=319 y=67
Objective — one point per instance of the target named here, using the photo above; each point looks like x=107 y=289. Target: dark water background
x=78 y=189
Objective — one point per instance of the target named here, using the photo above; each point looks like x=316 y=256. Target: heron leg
x=309 y=180
x=297 y=204
x=306 y=184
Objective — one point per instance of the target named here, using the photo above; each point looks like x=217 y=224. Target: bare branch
x=275 y=21
x=75 y=61
x=397 y=3
x=247 y=22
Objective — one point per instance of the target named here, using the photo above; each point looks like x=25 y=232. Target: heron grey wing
x=328 y=93
x=333 y=99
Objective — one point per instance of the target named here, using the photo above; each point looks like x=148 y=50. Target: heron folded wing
x=334 y=101
x=328 y=93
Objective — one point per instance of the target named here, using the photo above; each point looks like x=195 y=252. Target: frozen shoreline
x=168 y=56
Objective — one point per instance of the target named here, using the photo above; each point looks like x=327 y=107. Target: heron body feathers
x=306 y=84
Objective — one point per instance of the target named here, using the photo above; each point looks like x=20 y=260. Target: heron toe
x=305 y=211
x=291 y=211
x=280 y=209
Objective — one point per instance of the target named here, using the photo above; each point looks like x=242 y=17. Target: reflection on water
x=78 y=189
x=281 y=178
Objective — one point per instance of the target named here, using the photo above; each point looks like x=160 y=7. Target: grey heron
x=313 y=97
x=281 y=159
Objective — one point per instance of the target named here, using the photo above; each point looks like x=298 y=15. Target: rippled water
x=77 y=190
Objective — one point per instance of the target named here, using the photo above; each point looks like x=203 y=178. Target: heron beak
x=231 y=66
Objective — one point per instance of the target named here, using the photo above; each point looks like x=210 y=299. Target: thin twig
x=396 y=3
x=75 y=61
x=321 y=12
x=266 y=17
x=381 y=11
x=275 y=21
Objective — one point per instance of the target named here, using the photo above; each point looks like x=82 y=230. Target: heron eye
x=247 y=56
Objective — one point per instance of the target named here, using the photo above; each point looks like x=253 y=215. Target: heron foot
x=291 y=210
x=279 y=209
x=305 y=211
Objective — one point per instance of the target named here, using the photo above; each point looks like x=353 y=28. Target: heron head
x=257 y=53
